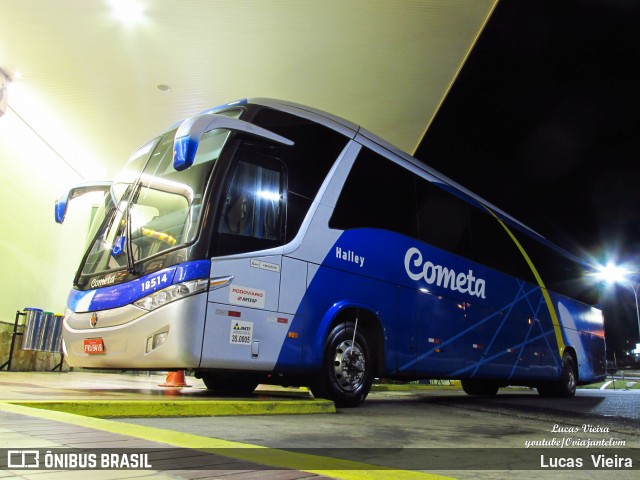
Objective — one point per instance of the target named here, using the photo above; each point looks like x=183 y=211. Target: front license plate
x=93 y=346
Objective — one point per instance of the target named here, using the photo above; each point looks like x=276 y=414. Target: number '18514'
x=153 y=282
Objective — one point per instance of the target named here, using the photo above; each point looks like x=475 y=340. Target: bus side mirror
x=74 y=192
x=188 y=135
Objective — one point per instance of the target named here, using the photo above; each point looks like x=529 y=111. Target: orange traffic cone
x=175 y=379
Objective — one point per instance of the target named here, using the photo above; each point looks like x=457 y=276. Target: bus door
x=244 y=329
x=242 y=311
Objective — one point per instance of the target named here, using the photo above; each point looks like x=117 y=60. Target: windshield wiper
x=131 y=264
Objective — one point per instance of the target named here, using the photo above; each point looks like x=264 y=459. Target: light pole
x=635 y=293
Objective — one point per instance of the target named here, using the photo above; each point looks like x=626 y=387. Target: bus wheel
x=347 y=367
x=566 y=386
x=236 y=384
x=473 y=386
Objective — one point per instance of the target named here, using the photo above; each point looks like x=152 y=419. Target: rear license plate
x=93 y=346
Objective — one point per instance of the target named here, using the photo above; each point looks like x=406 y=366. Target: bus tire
x=566 y=386
x=236 y=384
x=485 y=388
x=347 y=367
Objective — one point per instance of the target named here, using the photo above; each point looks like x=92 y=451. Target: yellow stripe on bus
x=545 y=293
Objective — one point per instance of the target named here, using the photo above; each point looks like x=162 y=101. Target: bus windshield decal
x=104 y=281
x=442 y=276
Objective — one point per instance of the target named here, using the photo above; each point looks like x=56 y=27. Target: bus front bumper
x=130 y=338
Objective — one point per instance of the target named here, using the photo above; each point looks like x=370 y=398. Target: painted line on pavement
x=180 y=408
x=335 y=468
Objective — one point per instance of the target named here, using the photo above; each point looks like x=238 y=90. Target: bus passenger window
x=378 y=193
x=443 y=219
x=492 y=246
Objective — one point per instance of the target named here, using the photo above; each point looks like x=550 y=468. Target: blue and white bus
x=269 y=242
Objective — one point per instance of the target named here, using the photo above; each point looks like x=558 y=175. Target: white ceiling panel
x=89 y=83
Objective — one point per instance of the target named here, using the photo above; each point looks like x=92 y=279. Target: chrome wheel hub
x=349 y=365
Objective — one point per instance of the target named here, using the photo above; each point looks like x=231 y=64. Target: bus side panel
x=583 y=330
x=242 y=338
x=433 y=331
x=441 y=339
x=330 y=292
x=470 y=321
x=255 y=284
x=515 y=342
x=542 y=350
x=597 y=358
x=293 y=286
x=404 y=335
x=492 y=337
x=244 y=329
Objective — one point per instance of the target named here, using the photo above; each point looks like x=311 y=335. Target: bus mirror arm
x=74 y=192
x=191 y=130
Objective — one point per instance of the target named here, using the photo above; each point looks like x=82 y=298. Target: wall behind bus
x=38 y=256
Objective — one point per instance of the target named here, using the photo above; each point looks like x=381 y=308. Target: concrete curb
x=182 y=408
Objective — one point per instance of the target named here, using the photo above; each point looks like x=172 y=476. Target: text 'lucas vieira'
x=598 y=461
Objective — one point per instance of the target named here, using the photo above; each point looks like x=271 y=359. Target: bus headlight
x=172 y=293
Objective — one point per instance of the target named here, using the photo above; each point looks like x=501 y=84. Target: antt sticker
x=241 y=332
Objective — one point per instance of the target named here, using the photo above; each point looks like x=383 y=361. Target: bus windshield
x=151 y=207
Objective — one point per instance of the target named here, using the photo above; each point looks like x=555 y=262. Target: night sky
x=544 y=122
